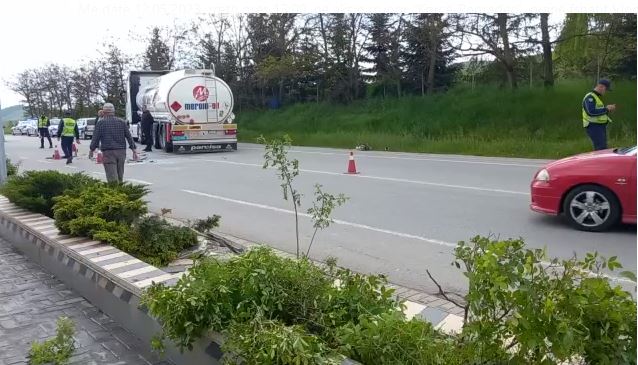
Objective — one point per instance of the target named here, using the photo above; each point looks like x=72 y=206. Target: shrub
x=217 y=294
x=520 y=309
x=35 y=190
x=159 y=242
x=12 y=169
x=57 y=350
x=267 y=342
x=544 y=312
x=389 y=339
x=110 y=203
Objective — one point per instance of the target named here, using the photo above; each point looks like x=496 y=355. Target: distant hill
x=12 y=113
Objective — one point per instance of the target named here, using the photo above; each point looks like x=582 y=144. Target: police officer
x=68 y=129
x=596 y=114
x=43 y=130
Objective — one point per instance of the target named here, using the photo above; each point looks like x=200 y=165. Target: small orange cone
x=99 y=157
x=352 y=168
x=75 y=150
x=56 y=153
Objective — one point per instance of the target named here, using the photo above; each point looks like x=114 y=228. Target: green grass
x=486 y=121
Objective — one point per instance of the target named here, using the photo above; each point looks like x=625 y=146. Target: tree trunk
x=548 y=63
x=507 y=58
x=431 y=69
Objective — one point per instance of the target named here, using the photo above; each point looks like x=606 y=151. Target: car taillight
x=178 y=133
x=230 y=132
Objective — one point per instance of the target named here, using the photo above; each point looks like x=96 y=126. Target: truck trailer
x=192 y=109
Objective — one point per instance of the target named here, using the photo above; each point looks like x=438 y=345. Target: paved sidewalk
x=31 y=301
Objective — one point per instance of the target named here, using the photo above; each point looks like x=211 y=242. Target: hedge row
x=114 y=214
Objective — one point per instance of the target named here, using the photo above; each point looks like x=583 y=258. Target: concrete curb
x=110 y=279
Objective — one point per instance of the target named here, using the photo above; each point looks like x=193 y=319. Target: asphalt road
x=405 y=213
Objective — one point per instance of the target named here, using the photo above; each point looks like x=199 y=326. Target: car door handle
x=621 y=181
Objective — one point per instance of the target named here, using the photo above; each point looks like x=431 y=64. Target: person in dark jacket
x=147 y=129
x=67 y=130
x=111 y=135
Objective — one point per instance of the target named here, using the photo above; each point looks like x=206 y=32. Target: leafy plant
x=268 y=342
x=542 y=312
x=207 y=224
x=105 y=202
x=12 y=169
x=35 y=190
x=160 y=242
x=389 y=339
x=57 y=350
x=215 y=295
x=321 y=210
x=276 y=156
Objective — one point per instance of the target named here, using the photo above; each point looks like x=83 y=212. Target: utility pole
x=3 y=156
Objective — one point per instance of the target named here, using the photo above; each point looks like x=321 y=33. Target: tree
x=548 y=65
x=113 y=66
x=157 y=55
x=490 y=34
x=379 y=49
x=426 y=53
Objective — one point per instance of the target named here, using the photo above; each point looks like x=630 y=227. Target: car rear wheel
x=591 y=208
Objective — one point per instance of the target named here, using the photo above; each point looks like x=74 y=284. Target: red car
x=594 y=190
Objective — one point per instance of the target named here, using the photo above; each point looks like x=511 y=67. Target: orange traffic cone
x=56 y=153
x=99 y=157
x=352 y=168
x=75 y=150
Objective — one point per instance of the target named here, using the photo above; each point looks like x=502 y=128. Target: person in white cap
x=112 y=133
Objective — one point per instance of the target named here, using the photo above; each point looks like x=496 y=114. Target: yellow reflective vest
x=599 y=119
x=68 y=129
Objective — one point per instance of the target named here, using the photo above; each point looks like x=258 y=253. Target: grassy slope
x=525 y=123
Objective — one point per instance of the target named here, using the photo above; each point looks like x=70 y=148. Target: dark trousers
x=148 y=137
x=67 y=147
x=44 y=132
x=598 y=135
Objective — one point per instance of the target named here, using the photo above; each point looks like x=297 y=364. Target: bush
x=57 y=350
x=390 y=339
x=12 y=169
x=159 y=242
x=35 y=190
x=108 y=203
x=103 y=212
x=217 y=295
x=274 y=310
x=544 y=313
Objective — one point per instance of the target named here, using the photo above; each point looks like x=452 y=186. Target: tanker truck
x=193 y=109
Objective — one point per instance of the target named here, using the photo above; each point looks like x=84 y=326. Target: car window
x=626 y=151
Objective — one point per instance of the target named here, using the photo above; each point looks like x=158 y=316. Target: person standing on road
x=43 y=130
x=596 y=114
x=67 y=130
x=112 y=134
x=100 y=113
x=147 y=128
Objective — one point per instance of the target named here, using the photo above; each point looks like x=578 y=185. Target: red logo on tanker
x=200 y=93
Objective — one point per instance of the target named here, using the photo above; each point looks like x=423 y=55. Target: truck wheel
x=234 y=146
x=166 y=146
x=157 y=134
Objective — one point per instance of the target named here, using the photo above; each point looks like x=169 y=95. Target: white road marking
x=71 y=167
x=139 y=181
x=45 y=161
x=383 y=178
x=363 y=155
x=336 y=221
x=98 y=173
x=361 y=226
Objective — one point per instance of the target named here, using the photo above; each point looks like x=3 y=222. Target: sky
x=37 y=32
